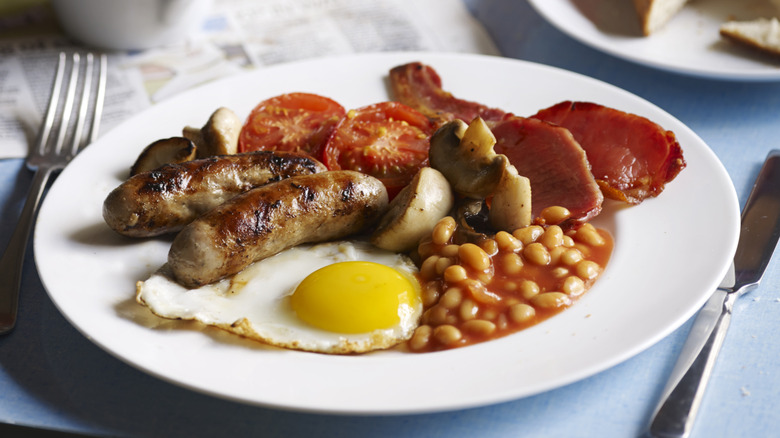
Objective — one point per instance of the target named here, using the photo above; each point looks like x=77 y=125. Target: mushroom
x=471 y=216
x=166 y=151
x=219 y=136
x=510 y=207
x=414 y=212
x=465 y=155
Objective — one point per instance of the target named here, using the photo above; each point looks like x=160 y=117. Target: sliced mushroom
x=414 y=211
x=465 y=155
x=471 y=216
x=166 y=151
x=508 y=210
x=219 y=136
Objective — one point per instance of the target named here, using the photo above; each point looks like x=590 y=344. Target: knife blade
x=759 y=233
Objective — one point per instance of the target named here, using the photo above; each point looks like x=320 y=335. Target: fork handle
x=13 y=258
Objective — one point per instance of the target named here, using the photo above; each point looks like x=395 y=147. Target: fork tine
x=99 y=98
x=67 y=108
x=77 y=141
x=51 y=111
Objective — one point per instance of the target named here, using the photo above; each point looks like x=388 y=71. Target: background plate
x=666 y=260
x=688 y=44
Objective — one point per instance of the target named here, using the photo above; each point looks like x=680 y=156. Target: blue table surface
x=53 y=377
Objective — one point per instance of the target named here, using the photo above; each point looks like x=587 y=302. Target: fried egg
x=337 y=297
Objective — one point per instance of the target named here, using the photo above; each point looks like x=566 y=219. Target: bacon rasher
x=631 y=157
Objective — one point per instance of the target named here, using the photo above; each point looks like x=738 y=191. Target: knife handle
x=676 y=413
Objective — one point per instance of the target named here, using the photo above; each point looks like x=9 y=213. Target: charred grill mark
x=276 y=162
x=309 y=194
x=348 y=192
x=160 y=181
x=311 y=166
x=260 y=224
x=292 y=164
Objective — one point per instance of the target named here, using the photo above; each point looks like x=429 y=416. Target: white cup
x=130 y=24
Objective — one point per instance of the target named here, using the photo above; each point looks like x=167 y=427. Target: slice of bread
x=762 y=34
x=653 y=14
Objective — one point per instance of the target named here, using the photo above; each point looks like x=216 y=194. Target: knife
x=676 y=413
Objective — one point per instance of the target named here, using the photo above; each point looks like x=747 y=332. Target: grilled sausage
x=166 y=199
x=268 y=219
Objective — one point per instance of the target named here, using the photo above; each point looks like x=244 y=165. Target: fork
x=51 y=155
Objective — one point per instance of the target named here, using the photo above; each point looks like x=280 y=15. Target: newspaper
x=238 y=35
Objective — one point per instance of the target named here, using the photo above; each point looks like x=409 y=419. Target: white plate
x=670 y=253
x=688 y=44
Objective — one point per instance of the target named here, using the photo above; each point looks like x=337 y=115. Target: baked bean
x=489 y=246
x=436 y=315
x=571 y=257
x=508 y=242
x=479 y=292
x=430 y=293
x=528 y=289
x=555 y=214
x=528 y=234
x=551 y=300
x=501 y=323
x=537 y=254
x=588 y=270
x=421 y=337
x=479 y=327
x=588 y=234
x=510 y=285
x=447 y=334
x=468 y=310
x=451 y=298
x=449 y=251
x=425 y=248
x=443 y=230
x=428 y=267
x=584 y=249
x=560 y=272
x=442 y=264
x=555 y=254
x=511 y=263
x=474 y=257
x=489 y=314
x=485 y=277
x=455 y=274
x=521 y=313
x=552 y=237
x=573 y=286
x=568 y=242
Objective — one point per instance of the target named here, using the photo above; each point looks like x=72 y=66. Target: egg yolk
x=355 y=297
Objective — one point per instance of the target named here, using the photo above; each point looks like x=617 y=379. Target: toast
x=762 y=34
x=654 y=14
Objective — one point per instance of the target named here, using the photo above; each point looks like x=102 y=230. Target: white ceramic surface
x=130 y=24
x=688 y=44
x=670 y=252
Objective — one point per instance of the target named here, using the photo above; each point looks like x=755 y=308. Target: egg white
x=255 y=303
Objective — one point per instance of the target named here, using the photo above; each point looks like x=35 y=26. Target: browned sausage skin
x=166 y=199
x=268 y=219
